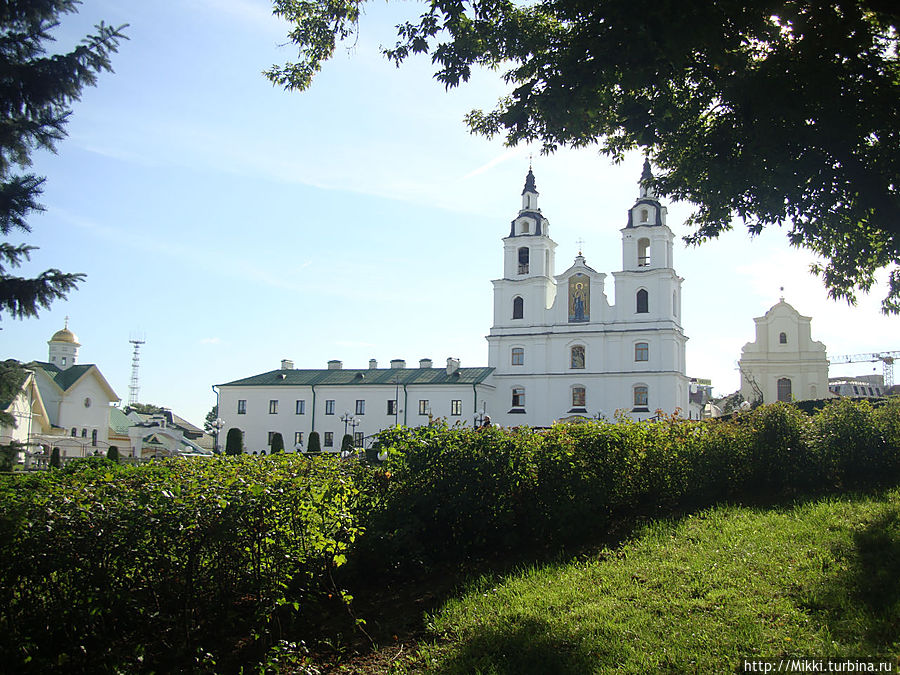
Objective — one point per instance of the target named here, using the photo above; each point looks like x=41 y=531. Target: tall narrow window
x=517 y=356
x=392 y=407
x=523 y=260
x=74 y=432
x=358 y=439
x=424 y=408
x=242 y=406
x=784 y=389
x=329 y=439
x=456 y=407
x=518 y=397
x=518 y=307
x=271 y=438
x=643 y=303
x=641 y=351
x=300 y=409
x=329 y=406
x=360 y=407
x=576 y=357
x=782 y=338
x=578 y=397
x=641 y=397
x=643 y=253
x=298 y=438
x=645 y=216
x=273 y=407
x=94 y=437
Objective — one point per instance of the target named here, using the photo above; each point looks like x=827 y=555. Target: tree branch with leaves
x=773 y=114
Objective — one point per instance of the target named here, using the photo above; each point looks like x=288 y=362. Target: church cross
x=580 y=243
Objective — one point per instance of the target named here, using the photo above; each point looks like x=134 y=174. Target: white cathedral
x=558 y=350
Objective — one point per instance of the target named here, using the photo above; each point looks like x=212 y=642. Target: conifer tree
x=277 y=443
x=37 y=90
x=54 y=459
x=234 y=442
x=314 y=443
x=113 y=454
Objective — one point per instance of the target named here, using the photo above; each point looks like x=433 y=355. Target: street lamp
x=348 y=419
x=217 y=424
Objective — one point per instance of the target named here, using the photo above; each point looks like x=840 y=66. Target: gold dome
x=64 y=335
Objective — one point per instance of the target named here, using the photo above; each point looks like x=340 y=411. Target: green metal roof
x=119 y=421
x=367 y=376
x=63 y=378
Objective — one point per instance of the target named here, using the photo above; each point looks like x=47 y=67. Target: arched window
x=645 y=215
x=782 y=338
x=784 y=389
x=523 y=260
x=578 y=397
x=641 y=396
x=576 y=357
x=517 y=356
x=84 y=433
x=643 y=252
x=641 y=351
x=526 y=227
x=74 y=432
x=518 y=307
x=94 y=437
x=643 y=303
x=518 y=397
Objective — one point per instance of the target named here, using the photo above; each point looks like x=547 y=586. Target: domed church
x=558 y=349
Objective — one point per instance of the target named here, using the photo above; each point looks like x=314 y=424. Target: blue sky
x=234 y=224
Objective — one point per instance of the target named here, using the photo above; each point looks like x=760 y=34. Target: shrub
x=277 y=443
x=234 y=442
x=347 y=443
x=851 y=445
x=113 y=454
x=780 y=459
x=314 y=444
x=107 y=568
x=54 y=458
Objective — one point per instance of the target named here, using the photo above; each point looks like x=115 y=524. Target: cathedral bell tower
x=527 y=288
x=647 y=288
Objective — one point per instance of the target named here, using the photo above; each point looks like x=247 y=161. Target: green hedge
x=447 y=494
x=104 y=565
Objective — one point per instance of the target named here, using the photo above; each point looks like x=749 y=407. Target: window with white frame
x=300 y=408
x=328 y=439
x=578 y=397
x=242 y=406
x=360 y=407
x=517 y=356
x=424 y=408
x=298 y=438
x=641 y=396
x=456 y=407
x=392 y=407
x=358 y=439
x=329 y=406
x=273 y=407
x=518 y=397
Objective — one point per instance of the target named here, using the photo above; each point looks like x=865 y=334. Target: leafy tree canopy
x=36 y=93
x=144 y=408
x=780 y=113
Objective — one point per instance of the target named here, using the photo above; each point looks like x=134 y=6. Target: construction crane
x=886 y=358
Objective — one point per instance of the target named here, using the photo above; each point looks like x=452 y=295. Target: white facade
x=560 y=349
x=784 y=363
x=557 y=349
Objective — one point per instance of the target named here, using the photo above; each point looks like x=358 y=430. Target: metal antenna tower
x=133 y=387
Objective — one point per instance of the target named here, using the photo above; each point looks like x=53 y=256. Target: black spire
x=529 y=183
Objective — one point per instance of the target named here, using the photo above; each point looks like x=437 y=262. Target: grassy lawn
x=818 y=579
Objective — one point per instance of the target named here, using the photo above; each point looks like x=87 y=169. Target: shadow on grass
x=518 y=647
x=862 y=603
